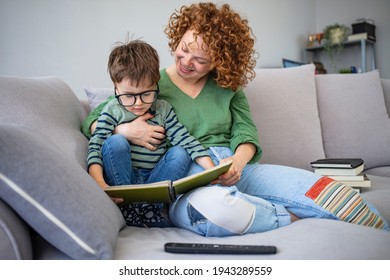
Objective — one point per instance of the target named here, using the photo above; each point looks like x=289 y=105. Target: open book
x=166 y=191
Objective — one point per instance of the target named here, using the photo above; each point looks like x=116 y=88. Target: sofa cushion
x=354 y=118
x=46 y=105
x=284 y=106
x=97 y=95
x=386 y=92
x=305 y=239
x=56 y=196
x=383 y=171
x=15 y=241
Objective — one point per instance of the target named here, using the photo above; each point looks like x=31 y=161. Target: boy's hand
x=116 y=200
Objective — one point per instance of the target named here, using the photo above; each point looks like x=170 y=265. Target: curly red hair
x=228 y=36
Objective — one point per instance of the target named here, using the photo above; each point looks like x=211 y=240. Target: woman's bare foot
x=293 y=217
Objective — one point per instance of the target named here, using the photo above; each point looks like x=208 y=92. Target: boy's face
x=130 y=97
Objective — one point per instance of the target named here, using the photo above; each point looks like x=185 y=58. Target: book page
x=200 y=179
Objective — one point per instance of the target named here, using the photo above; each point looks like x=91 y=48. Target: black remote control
x=204 y=248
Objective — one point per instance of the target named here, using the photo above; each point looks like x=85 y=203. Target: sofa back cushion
x=49 y=107
x=386 y=92
x=284 y=107
x=354 y=118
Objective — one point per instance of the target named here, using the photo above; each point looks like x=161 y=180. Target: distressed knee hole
x=222 y=207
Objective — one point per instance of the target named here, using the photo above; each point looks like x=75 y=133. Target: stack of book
x=348 y=171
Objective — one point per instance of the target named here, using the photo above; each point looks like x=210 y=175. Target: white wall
x=72 y=39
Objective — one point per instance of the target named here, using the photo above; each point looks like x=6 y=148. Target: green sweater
x=216 y=117
x=114 y=114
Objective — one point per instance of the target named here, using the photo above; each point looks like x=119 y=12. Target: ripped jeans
x=259 y=202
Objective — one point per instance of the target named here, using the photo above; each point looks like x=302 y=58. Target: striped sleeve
x=104 y=129
x=177 y=134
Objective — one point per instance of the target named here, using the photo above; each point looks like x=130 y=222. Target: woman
x=214 y=59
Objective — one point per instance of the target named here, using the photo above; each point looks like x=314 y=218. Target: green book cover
x=166 y=191
x=142 y=193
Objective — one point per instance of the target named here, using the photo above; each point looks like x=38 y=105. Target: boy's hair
x=137 y=61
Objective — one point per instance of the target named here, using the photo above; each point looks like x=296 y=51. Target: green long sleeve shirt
x=216 y=117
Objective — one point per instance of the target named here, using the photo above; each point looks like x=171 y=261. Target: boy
x=134 y=70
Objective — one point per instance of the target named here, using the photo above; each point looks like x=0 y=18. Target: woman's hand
x=233 y=175
x=242 y=156
x=139 y=132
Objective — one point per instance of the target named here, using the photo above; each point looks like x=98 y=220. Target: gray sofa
x=50 y=208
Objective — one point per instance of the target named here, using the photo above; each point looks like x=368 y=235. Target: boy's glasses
x=129 y=99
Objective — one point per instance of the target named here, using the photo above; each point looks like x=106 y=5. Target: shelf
x=346 y=44
x=363 y=47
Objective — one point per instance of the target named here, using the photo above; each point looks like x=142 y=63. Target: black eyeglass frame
x=117 y=96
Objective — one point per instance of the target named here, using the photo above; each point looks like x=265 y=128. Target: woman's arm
x=92 y=117
x=244 y=140
x=243 y=129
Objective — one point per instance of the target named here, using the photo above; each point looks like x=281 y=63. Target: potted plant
x=335 y=36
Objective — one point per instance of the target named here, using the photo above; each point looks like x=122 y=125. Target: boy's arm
x=178 y=134
x=206 y=162
x=96 y=172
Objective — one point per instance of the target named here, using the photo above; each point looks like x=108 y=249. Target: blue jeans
x=118 y=167
x=259 y=202
x=118 y=170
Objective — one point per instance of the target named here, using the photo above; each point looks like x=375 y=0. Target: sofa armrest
x=386 y=93
x=15 y=239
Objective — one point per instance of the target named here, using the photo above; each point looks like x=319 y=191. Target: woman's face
x=192 y=59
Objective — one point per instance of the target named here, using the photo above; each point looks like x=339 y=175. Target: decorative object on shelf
x=334 y=38
x=345 y=71
x=364 y=27
x=319 y=68
x=315 y=40
x=350 y=70
x=311 y=41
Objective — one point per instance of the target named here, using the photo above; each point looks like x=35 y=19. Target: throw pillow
x=97 y=95
x=55 y=196
x=354 y=118
x=284 y=106
x=46 y=105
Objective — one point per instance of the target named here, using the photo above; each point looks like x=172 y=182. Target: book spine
x=357 y=36
x=172 y=192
